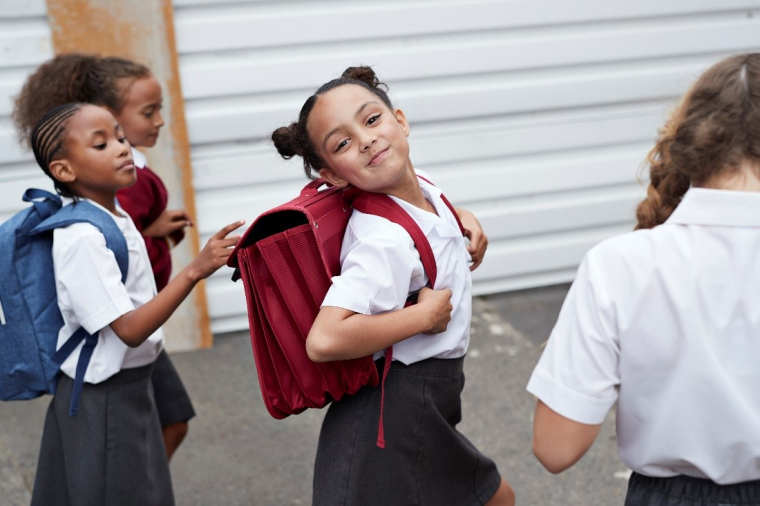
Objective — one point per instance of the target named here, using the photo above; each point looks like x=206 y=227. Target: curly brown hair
x=293 y=140
x=73 y=77
x=715 y=127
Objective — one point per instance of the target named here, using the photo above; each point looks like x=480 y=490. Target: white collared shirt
x=91 y=295
x=380 y=267
x=139 y=158
x=667 y=323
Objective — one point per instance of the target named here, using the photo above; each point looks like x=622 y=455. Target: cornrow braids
x=294 y=139
x=48 y=140
x=715 y=127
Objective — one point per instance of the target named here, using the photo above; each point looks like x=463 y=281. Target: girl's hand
x=168 y=223
x=478 y=238
x=214 y=255
x=438 y=308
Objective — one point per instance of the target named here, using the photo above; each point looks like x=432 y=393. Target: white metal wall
x=24 y=43
x=534 y=114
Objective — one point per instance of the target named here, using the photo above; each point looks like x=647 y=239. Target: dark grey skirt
x=111 y=453
x=172 y=401
x=426 y=461
x=688 y=491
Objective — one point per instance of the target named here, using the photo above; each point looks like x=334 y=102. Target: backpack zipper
x=2 y=314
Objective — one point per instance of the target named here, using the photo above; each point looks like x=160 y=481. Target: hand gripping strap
x=83 y=212
x=385 y=207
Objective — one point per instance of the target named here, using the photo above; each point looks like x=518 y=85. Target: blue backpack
x=29 y=316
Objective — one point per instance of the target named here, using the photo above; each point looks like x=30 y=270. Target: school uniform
x=144 y=202
x=425 y=460
x=112 y=451
x=666 y=323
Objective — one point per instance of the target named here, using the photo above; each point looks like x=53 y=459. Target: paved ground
x=235 y=454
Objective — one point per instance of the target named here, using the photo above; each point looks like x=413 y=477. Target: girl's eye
x=341 y=144
x=373 y=119
x=100 y=146
x=122 y=139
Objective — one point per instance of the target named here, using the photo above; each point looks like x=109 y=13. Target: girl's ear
x=62 y=171
x=332 y=178
x=401 y=119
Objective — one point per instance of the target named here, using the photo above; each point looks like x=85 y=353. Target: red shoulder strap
x=383 y=206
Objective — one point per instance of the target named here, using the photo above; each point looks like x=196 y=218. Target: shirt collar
x=139 y=158
x=722 y=208
x=426 y=220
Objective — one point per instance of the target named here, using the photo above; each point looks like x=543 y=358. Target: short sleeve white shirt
x=380 y=267
x=666 y=322
x=91 y=295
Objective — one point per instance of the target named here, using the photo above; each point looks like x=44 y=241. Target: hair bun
x=286 y=141
x=364 y=74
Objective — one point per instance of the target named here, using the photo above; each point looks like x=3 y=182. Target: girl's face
x=98 y=158
x=361 y=141
x=140 y=115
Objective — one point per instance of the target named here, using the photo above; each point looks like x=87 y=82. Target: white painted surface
x=535 y=114
x=25 y=42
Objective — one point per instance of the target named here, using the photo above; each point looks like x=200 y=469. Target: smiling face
x=360 y=140
x=140 y=115
x=98 y=159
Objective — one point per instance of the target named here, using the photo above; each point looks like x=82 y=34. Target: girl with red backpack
x=350 y=134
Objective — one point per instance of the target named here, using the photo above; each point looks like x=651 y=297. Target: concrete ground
x=236 y=454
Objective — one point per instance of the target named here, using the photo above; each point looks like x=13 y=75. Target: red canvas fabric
x=286 y=260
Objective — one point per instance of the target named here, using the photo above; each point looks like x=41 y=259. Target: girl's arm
x=340 y=334
x=136 y=326
x=559 y=442
x=478 y=238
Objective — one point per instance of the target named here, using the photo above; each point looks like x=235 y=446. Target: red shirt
x=144 y=202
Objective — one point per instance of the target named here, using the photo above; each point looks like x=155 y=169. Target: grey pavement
x=236 y=454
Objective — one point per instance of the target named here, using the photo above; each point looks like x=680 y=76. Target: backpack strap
x=386 y=207
x=84 y=212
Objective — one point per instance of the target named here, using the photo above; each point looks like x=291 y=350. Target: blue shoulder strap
x=82 y=212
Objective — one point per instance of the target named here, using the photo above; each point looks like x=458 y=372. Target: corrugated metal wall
x=535 y=114
x=24 y=44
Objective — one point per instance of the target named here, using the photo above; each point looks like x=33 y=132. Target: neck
x=746 y=177
x=410 y=191
x=105 y=199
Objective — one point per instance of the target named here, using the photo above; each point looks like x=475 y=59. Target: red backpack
x=286 y=260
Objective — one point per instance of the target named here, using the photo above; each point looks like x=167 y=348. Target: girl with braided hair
x=350 y=134
x=665 y=321
x=112 y=451
x=133 y=95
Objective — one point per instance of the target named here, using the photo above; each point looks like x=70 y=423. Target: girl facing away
x=665 y=321
x=133 y=95
x=112 y=451
x=350 y=133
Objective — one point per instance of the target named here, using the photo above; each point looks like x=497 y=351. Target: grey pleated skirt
x=173 y=402
x=426 y=460
x=111 y=453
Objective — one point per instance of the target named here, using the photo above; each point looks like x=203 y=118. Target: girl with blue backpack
x=112 y=451
x=350 y=133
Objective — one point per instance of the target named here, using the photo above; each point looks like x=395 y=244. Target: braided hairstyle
x=74 y=77
x=715 y=128
x=48 y=140
x=293 y=140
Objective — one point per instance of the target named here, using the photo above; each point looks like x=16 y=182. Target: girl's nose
x=159 y=119
x=368 y=141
